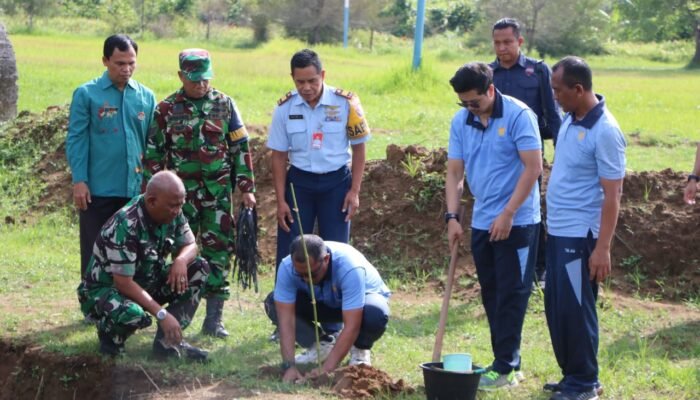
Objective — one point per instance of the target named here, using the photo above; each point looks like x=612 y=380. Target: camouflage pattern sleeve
x=183 y=233
x=242 y=172
x=240 y=158
x=120 y=246
x=155 y=157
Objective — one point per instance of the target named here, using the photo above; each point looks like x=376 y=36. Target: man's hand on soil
x=292 y=375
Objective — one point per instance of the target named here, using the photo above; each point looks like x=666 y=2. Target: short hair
x=472 y=76
x=164 y=182
x=121 y=42
x=575 y=71
x=305 y=58
x=505 y=23
x=315 y=247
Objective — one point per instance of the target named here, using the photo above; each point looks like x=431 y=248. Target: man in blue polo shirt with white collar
x=495 y=140
x=583 y=201
x=347 y=289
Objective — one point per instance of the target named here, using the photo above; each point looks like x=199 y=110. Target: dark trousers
x=91 y=221
x=540 y=265
x=375 y=317
x=320 y=199
x=570 y=307
x=505 y=270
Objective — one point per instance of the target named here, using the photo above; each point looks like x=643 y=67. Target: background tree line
x=552 y=27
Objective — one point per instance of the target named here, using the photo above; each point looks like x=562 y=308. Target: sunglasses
x=469 y=103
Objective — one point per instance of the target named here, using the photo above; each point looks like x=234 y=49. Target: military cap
x=196 y=64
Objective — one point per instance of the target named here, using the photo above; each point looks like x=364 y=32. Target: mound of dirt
x=402 y=203
x=361 y=382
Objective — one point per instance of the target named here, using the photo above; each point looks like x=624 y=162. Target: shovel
x=437 y=349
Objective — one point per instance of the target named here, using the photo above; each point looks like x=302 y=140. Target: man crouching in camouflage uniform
x=127 y=274
x=197 y=132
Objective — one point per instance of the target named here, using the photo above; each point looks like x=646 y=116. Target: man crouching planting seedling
x=321 y=282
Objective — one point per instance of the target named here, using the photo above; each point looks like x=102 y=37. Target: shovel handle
x=437 y=349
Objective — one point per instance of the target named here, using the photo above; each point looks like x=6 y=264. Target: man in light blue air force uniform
x=495 y=139
x=583 y=201
x=313 y=129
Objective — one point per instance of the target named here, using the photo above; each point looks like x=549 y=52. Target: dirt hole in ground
x=28 y=372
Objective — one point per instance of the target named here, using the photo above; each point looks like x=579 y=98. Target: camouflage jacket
x=204 y=141
x=132 y=244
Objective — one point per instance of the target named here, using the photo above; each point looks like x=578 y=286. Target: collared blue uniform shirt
x=350 y=276
x=587 y=150
x=107 y=132
x=492 y=160
x=522 y=82
x=293 y=126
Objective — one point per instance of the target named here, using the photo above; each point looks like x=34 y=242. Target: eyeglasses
x=469 y=103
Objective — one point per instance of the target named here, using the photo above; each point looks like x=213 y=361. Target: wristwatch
x=449 y=216
x=161 y=314
x=287 y=365
x=695 y=178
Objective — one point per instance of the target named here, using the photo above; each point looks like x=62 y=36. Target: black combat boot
x=212 y=325
x=163 y=351
x=108 y=347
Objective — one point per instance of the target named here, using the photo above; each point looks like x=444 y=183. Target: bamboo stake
x=311 y=280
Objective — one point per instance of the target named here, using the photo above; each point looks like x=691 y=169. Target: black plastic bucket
x=449 y=385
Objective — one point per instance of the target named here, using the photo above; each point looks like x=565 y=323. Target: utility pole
x=418 y=36
x=346 y=23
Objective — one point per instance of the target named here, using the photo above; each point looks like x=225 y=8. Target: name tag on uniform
x=317 y=140
x=296 y=116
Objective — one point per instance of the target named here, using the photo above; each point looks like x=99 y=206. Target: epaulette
x=344 y=93
x=284 y=99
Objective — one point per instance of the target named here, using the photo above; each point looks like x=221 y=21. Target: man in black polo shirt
x=528 y=80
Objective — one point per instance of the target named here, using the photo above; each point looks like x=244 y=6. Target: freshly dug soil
x=361 y=382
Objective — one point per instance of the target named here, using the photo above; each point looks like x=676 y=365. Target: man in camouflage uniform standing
x=198 y=133
x=127 y=275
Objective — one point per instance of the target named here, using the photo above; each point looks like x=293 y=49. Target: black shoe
x=212 y=325
x=275 y=335
x=587 y=395
x=184 y=349
x=555 y=387
x=108 y=347
x=217 y=330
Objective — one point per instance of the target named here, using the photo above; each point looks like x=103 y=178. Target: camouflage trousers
x=119 y=317
x=210 y=219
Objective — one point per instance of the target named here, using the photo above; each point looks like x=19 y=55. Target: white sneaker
x=308 y=356
x=360 y=356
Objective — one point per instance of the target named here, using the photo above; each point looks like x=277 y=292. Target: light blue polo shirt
x=107 y=131
x=294 y=124
x=492 y=160
x=587 y=150
x=350 y=276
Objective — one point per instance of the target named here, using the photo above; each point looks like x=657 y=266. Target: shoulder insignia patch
x=344 y=93
x=284 y=99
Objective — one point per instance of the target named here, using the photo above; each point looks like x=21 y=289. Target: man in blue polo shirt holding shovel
x=583 y=202
x=495 y=140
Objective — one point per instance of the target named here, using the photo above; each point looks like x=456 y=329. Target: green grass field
x=648 y=350
x=655 y=103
